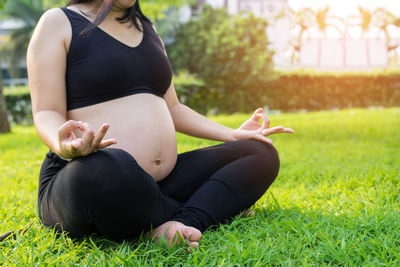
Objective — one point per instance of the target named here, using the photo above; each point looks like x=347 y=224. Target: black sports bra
x=101 y=68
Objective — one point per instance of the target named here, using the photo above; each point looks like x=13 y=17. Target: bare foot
x=248 y=213
x=174 y=232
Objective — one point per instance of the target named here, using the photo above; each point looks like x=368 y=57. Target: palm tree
x=304 y=20
x=321 y=18
x=28 y=11
x=368 y=20
x=387 y=19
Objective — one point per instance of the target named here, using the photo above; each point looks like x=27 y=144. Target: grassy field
x=336 y=202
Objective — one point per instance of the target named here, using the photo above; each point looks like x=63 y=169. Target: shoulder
x=52 y=30
x=53 y=22
x=54 y=17
x=53 y=25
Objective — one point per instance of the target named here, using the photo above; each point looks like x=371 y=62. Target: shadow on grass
x=274 y=236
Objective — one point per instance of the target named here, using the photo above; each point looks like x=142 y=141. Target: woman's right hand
x=71 y=146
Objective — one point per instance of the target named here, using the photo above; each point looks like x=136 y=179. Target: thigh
x=193 y=168
x=106 y=192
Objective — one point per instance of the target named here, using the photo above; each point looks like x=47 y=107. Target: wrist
x=57 y=149
x=232 y=135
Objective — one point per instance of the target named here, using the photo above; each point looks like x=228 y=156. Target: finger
x=255 y=114
x=277 y=129
x=100 y=135
x=107 y=143
x=285 y=130
x=73 y=146
x=84 y=127
x=262 y=139
x=66 y=129
x=76 y=144
x=266 y=122
x=87 y=138
x=289 y=130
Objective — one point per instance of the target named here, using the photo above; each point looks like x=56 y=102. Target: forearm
x=47 y=123
x=190 y=122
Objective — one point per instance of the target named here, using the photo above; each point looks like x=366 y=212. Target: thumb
x=76 y=144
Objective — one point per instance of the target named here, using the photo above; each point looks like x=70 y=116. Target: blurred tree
x=230 y=54
x=53 y=3
x=4 y=124
x=28 y=11
x=154 y=8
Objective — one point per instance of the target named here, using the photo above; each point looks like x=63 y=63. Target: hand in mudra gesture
x=252 y=129
x=71 y=146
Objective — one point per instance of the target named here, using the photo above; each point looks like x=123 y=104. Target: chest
x=101 y=59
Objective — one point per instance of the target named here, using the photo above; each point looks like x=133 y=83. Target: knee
x=266 y=157
x=100 y=172
x=262 y=150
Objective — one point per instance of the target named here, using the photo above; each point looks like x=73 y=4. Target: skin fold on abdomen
x=142 y=126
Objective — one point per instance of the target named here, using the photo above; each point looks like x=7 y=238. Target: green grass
x=336 y=201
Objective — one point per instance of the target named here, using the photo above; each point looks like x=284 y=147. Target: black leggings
x=108 y=193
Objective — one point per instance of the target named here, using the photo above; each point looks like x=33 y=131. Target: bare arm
x=46 y=62
x=189 y=122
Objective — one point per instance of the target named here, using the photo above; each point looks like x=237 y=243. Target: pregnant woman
x=104 y=104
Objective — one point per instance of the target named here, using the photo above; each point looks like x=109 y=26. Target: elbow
x=176 y=114
x=46 y=113
x=175 y=109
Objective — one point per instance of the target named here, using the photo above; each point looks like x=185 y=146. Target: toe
x=248 y=213
x=191 y=233
x=194 y=245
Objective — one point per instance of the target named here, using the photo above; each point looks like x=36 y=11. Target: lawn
x=336 y=201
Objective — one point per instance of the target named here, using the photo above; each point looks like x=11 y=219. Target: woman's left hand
x=251 y=129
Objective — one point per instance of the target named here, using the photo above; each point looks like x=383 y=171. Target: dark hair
x=104 y=7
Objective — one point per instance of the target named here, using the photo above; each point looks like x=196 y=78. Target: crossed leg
x=216 y=183
x=107 y=192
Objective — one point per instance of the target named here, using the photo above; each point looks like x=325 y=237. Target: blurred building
x=316 y=51
x=348 y=54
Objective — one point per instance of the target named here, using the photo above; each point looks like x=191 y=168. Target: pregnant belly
x=142 y=126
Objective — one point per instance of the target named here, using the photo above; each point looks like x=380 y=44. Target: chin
x=124 y=3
